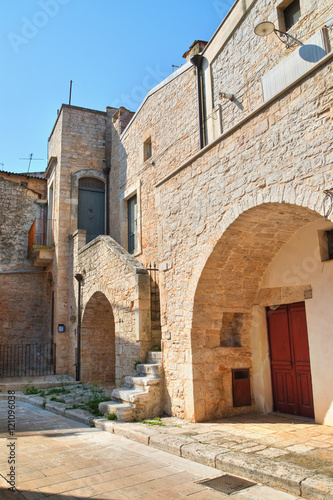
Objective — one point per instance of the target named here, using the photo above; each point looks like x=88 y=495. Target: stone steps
x=123 y=411
x=139 y=381
x=149 y=369
x=154 y=357
x=127 y=394
x=141 y=397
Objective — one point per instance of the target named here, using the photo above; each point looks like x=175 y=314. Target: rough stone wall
x=281 y=155
x=78 y=143
x=36 y=183
x=245 y=57
x=25 y=304
x=18 y=210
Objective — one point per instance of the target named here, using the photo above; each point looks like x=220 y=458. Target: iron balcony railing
x=41 y=233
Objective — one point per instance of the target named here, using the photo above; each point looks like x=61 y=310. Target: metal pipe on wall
x=79 y=278
x=106 y=170
x=196 y=60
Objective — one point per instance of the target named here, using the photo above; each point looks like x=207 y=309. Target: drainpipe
x=196 y=60
x=79 y=278
x=106 y=170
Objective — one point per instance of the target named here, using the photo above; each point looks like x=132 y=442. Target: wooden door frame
x=293 y=357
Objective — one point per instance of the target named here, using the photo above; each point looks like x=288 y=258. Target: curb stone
x=276 y=474
x=206 y=454
x=318 y=486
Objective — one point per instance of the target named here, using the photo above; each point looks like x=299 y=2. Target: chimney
x=121 y=119
x=196 y=48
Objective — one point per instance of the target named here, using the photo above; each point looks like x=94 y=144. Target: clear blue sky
x=114 y=51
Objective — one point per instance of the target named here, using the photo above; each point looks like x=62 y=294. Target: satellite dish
x=265 y=28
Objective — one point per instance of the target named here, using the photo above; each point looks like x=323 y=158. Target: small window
x=132 y=224
x=147 y=149
x=292 y=13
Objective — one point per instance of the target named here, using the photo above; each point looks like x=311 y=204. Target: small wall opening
x=241 y=390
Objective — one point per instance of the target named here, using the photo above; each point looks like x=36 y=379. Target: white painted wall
x=299 y=262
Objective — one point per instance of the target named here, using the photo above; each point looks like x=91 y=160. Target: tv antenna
x=30 y=159
x=70 y=92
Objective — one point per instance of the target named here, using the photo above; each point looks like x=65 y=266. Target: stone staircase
x=141 y=397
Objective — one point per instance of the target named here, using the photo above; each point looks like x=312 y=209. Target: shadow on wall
x=311 y=53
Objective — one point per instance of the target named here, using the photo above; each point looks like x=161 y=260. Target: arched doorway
x=91 y=207
x=98 y=341
x=229 y=337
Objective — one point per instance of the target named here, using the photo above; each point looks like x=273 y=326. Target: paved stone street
x=61 y=459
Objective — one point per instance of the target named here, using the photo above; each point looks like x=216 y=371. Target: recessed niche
x=231 y=331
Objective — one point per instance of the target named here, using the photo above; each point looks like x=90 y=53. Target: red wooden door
x=290 y=360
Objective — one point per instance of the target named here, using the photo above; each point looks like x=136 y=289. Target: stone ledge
x=205 y=454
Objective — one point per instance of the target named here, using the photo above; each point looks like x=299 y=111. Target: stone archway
x=98 y=341
x=223 y=321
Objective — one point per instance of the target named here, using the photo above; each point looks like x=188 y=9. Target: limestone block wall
x=279 y=156
x=169 y=118
x=116 y=286
x=25 y=308
x=237 y=66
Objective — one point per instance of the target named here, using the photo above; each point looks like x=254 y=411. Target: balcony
x=41 y=242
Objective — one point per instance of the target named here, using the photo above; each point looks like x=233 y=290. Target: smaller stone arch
x=98 y=341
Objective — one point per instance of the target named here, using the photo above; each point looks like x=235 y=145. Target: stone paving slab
x=288 y=453
x=236 y=450
x=61 y=459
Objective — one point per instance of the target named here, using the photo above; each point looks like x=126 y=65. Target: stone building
x=223 y=179
x=25 y=313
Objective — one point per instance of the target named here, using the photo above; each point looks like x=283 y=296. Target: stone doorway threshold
x=295 y=417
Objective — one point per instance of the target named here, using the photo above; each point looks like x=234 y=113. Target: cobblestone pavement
x=61 y=459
